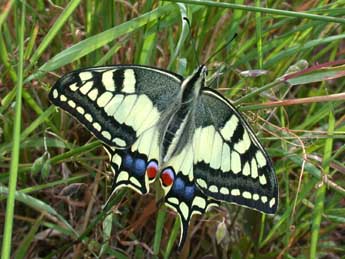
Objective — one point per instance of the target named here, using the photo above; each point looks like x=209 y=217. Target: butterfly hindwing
x=229 y=163
x=181 y=192
x=117 y=103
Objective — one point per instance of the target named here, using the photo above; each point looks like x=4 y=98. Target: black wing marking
x=230 y=164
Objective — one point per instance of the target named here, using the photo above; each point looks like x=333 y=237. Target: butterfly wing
x=117 y=103
x=230 y=164
x=123 y=106
x=181 y=193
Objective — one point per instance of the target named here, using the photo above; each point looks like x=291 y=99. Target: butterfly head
x=192 y=85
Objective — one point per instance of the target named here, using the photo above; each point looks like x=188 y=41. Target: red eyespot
x=151 y=170
x=167 y=177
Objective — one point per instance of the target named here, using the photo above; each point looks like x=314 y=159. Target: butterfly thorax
x=175 y=136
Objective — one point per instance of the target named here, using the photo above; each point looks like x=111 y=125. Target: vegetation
x=284 y=70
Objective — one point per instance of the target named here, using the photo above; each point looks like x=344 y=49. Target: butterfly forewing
x=117 y=103
x=229 y=163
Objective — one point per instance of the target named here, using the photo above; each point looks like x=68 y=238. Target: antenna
x=193 y=42
x=221 y=48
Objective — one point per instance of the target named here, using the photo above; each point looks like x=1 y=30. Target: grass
x=53 y=179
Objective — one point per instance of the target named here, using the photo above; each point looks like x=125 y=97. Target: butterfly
x=155 y=124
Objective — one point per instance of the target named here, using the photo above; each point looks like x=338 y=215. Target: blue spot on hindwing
x=178 y=186
x=128 y=162
x=189 y=192
x=139 y=166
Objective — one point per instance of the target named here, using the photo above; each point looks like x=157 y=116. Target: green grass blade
x=5 y=59
x=277 y=12
x=159 y=230
x=6 y=243
x=54 y=30
x=321 y=192
x=172 y=238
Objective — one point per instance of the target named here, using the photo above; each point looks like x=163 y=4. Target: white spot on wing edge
x=106 y=134
x=88 y=117
x=80 y=110
x=63 y=98
x=97 y=126
x=86 y=75
x=119 y=142
x=74 y=87
x=201 y=183
x=229 y=128
x=129 y=81
x=247 y=195
x=272 y=202
x=243 y=145
x=93 y=94
x=260 y=158
x=71 y=103
x=108 y=81
x=213 y=188
x=224 y=190
x=264 y=199
x=262 y=179
x=235 y=192
x=55 y=94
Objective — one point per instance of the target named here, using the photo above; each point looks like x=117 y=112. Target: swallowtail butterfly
x=157 y=124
